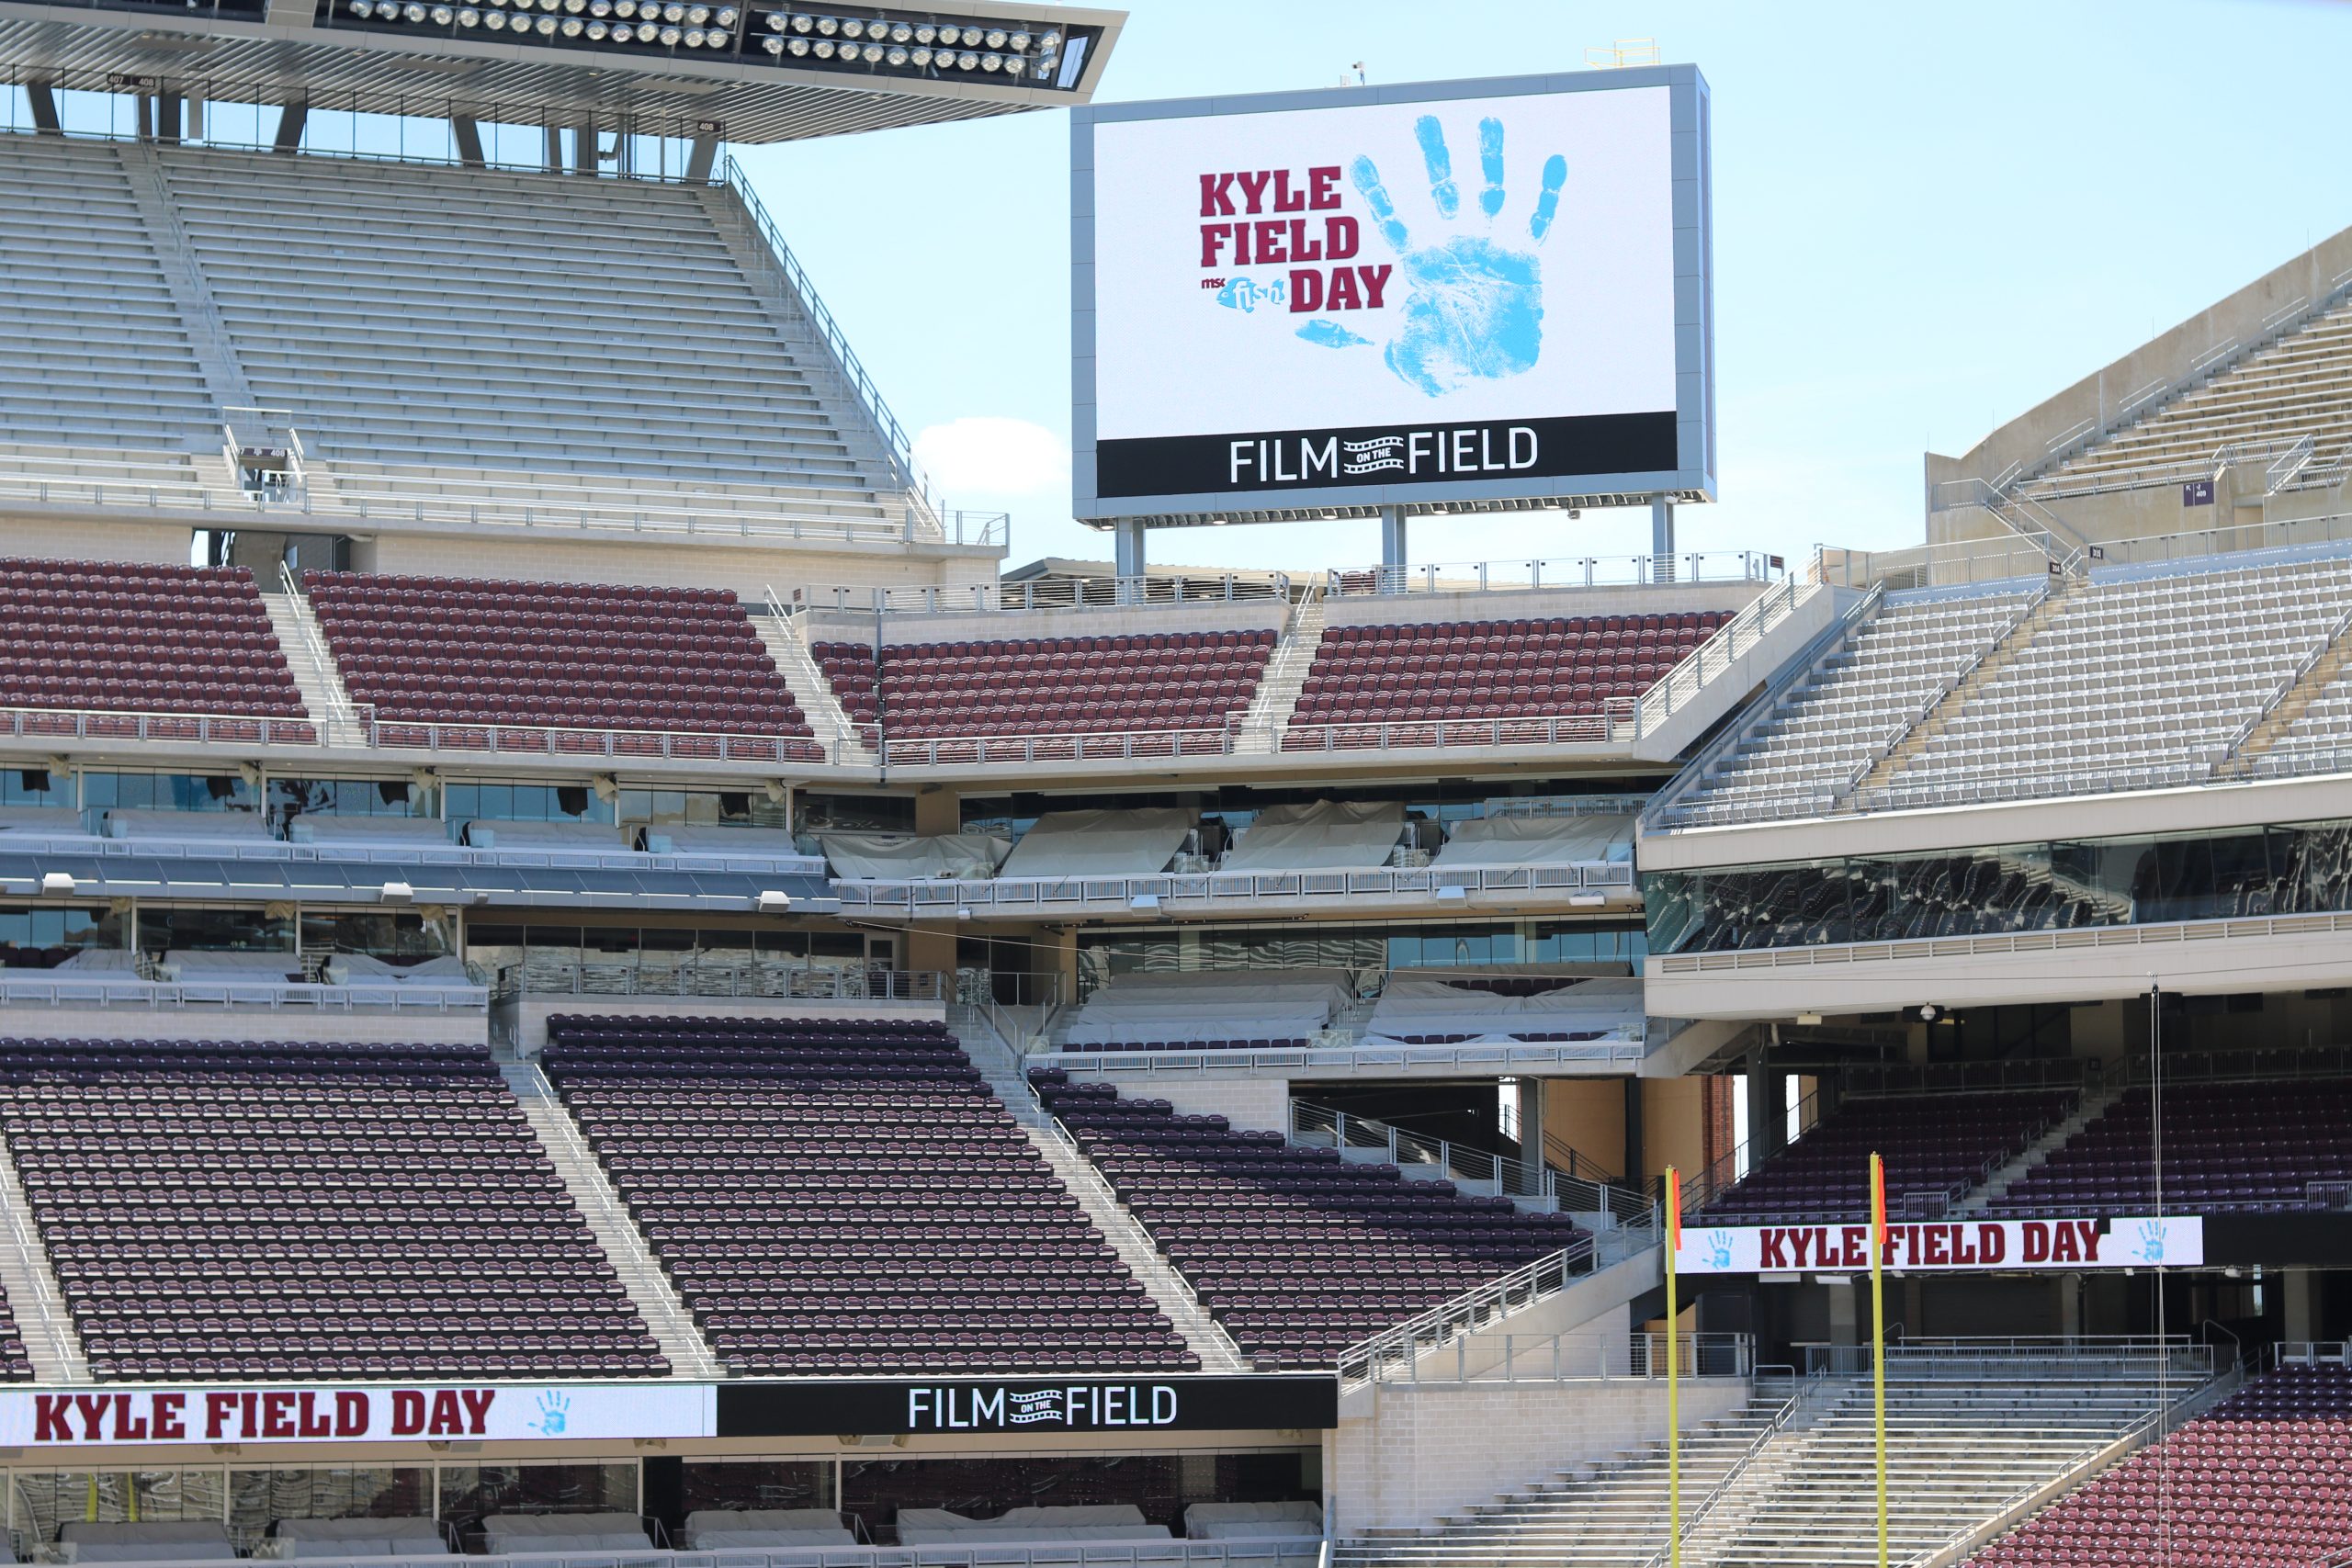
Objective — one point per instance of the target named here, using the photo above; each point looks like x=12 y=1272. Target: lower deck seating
x=846 y=1196
x=1299 y=1254
x=134 y=637
x=1154 y=683
x=1562 y=667
x=2275 y=1148
x=284 y=1210
x=1933 y=1146
x=2264 y=1480
x=562 y=655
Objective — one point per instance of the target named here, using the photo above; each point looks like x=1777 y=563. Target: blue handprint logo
x=555 y=1414
x=1474 y=308
x=2151 y=1242
x=1719 y=1250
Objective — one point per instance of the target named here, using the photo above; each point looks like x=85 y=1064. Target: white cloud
x=983 y=455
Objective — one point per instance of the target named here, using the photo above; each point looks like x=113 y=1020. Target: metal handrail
x=1026 y=893
x=125 y=724
x=1511 y=1178
x=34 y=1262
x=1464 y=1313
x=2304 y=667
x=477 y=737
x=1577 y=571
x=1925 y=710
x=1043 y=596
x=35 y=988
x=1912 y=948
x=793 y=982
x=959 y=750
x=900 y=450
x=1680 y=685
x=1419 y=734
x=1695 y=1515
x=314 y=648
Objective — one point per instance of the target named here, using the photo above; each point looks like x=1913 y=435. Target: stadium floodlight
x=873 y=54
x=598 y=32
x=673 y=12
x=622 y=32
x=573 y=26
x=853 y=29
x=926 y=33
x=824 y=48
x=920 y=56
x=898 y=56
x=726 y=16
x=669 y=37
x=361 y=8
x=547 y=27
x=469 y=18
x=698 y=15
x=693 y=37
x=949 y=35
x=967 y=61
x=995 y=38
x=442 y=16
x=1018 y=43
x=992 y=62
x=799 y=46
x=902 y=33
x=412 y=13
x=827 y=26
x=718 y=38
x=802 y=23
x=777 y=21
x=495 y=21
x=773 y=45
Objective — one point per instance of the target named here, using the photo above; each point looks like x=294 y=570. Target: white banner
x=2137 y=1241
x=197 y=1413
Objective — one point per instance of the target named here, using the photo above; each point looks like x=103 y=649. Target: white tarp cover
x=1100 y=843
x=488 y=835
x=1536 y=841
x=900 y=857
x=1411 y=1007
x=325 y=828
x=189 y=964
x=768 y=843
x=1180 y=1009
x=236 y=826
x=1325 y=835
x=42 y=821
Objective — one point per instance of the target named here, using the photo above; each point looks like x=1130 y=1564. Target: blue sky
x=1926 y=219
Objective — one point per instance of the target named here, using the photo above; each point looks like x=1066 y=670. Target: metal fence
x=1023 y=895
x=723 y=980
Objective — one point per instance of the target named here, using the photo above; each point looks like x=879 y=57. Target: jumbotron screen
x=1379 y=295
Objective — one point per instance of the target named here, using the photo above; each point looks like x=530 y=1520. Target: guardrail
x=723 y=981
x=1571 y=571
x=1726 y=644
x=1019 y=597
x=1520 y=1056
x=1506 y=1177
x=1398 y=1349
x=1024 y=895
x=950 y=751
x=1422 y=734
x=33 y=988
x=2022 y=1358
x=1574 y=1358
x=562 y=741
x=394 y=855
x=1695 y=1513
x=108 y=724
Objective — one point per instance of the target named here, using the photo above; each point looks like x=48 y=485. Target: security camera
x=1929 y=1012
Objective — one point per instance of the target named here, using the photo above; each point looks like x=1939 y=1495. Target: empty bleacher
x=1936 y=1148
x=2267 y=1147
x=2298 y=386
x=2263 y=1480
x=1366 y=679
x=2154 y=673
x=127 y=636
x=1298 y=1253
x=1191 y=684
x=484 y=336
x=1831 y=723
x=292 y=1211
x=846 y=1196
x=573 y=655
x=98 y=355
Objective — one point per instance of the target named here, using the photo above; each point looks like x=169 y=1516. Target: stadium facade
x=588 y=977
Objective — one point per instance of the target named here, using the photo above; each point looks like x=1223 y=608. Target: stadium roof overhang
x=316 y=52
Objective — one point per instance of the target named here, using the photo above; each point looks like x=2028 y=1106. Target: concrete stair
x=208 y=339
x=34 y=1299
x=648 y=1284
x=2020 y=636
x=1267 y=719
x=324 y=697
x=1002 y=1071
x=809 y=688
x=1996 y=1186
x=2290 y=704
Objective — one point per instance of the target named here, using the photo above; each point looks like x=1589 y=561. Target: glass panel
x=756 y=1484
x=47 y=1499
x=1161 y=1486
x=257 y=1498
x=470 y=1494
x=215 y=931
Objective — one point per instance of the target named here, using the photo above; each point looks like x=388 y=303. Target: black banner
x=1025 y=1406
x=1586 y=446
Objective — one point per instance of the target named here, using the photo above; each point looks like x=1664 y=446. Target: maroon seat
x=140 y=638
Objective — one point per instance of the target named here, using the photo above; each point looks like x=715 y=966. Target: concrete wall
x=678 y=562
x=1255 y=1105
x=533 y=1012
x=2099 y=397
x=163 y=542
x=1427 y=1450
x=244 y=1023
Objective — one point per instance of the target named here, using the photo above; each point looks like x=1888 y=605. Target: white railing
x=543 y=977
x=397 y=854
x=1025 y=895
x=1393 y=1351
x=36 y=988
x=1501 y=1175
x=1019 y=596
x=586 y=741
x=1623 y=1052
x=324 y=668
x=1271 y=1552
x=1573 y=571
x=846 y=363
x=110 y=723
x=964 y=750
x=1419 y=734
x=1576 y=1356
x=1727 y=644
x=2023 y=1358
x=32 y=1264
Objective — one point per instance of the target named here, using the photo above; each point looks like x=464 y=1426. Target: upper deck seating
x=2267 y=1147
x=1571 y=666
x=131 y=637
x=2263 y=1480
x=845 y=1196
x=1933 y=1144
x=1299 y=1254
x=1151 y=682
x=567 y=655
x=308 y=1210
x=98 y=354
x=484 y=337
x=2298 y=386
x=1834 y=720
